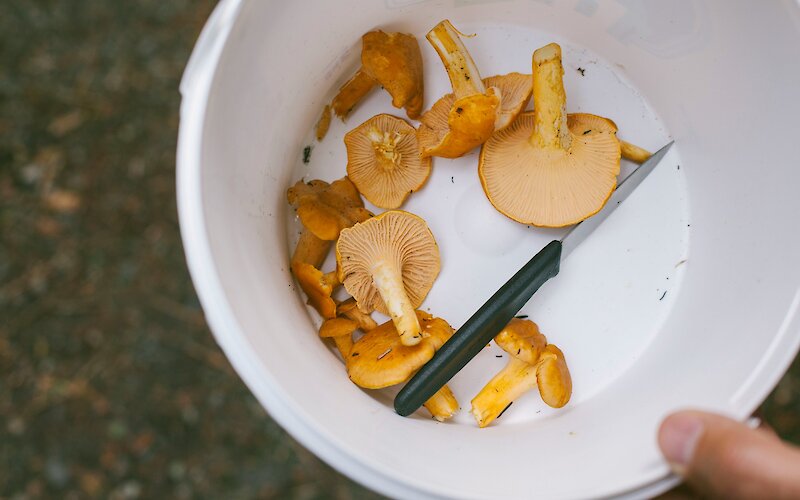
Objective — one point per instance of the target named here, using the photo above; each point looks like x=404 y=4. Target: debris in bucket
x=307 y=154
x=663 y=295
x=582 y=71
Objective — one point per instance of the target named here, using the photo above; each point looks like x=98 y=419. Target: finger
x=725 y=458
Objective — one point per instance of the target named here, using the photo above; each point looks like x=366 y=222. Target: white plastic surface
x=686 y=296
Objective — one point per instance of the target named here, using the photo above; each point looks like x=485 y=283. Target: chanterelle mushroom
x=350 y=310
x=515 y=92
x=383 y=160
x=391 y=60
x=380 y=360
x=325 y=209
x=463 y=120
x=388 y=263
x=341 y=331
x=547 y=168
x=532 y=362
x=318 y=287
x=633 y=152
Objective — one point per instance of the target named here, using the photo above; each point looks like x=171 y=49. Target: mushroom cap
x=379 y=359
x=521 y=338
x=317 y=289
x=383 y=160
x=515 y=92
x=434 y=330
x=553 y=378
x=551 y=187
x=395 y=61
x=396 y=237
x=336 y=327
x=325 y=209
x=454 y=127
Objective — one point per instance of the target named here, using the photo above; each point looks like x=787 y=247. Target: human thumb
x=725 y=458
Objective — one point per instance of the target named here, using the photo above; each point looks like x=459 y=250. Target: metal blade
x=579 y=232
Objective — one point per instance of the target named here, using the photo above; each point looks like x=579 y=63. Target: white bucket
x=687 y=296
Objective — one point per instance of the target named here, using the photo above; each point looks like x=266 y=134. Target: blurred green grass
x=111 y=384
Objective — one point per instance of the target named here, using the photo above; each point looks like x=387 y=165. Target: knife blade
x=495 y=314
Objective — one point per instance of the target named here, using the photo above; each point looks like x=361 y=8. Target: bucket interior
x=682 y=298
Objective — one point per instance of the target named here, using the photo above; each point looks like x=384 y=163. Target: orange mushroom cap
x=383 y=160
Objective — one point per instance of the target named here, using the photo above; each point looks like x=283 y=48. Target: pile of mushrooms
x=543 y=167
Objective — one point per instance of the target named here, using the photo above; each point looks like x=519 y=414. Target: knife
x=495 y=314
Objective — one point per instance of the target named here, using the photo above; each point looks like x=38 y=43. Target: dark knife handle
x=481 y=328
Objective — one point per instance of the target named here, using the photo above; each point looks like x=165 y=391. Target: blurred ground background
x=111 y=385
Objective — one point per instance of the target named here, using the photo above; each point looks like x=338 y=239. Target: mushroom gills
x=549 y=168
x=352 y=92
x=389 y=263
x=383 y=160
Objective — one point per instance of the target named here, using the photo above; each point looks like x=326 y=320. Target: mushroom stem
x=464 y=76
x=352 y=92
x=517 y=378
x=344 y=343
x=389 y=282
x=350 y=310
x=310 y=249
x=442 y=405
x=633 y=153
x=549 y=100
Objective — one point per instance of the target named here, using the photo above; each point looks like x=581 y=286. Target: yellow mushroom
x=532 y=363
x=549 y=168
x=515 y=92
x=391 y=60
x=350 y=310
x=324 y=123
x=389 y=263
x=310 y=249
x=552 y=377
x=379 y=359
x=451 y=129
x=325 y=209
x=383 y=160
x=318 y=287
x=633 y=152
x=341 y=331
